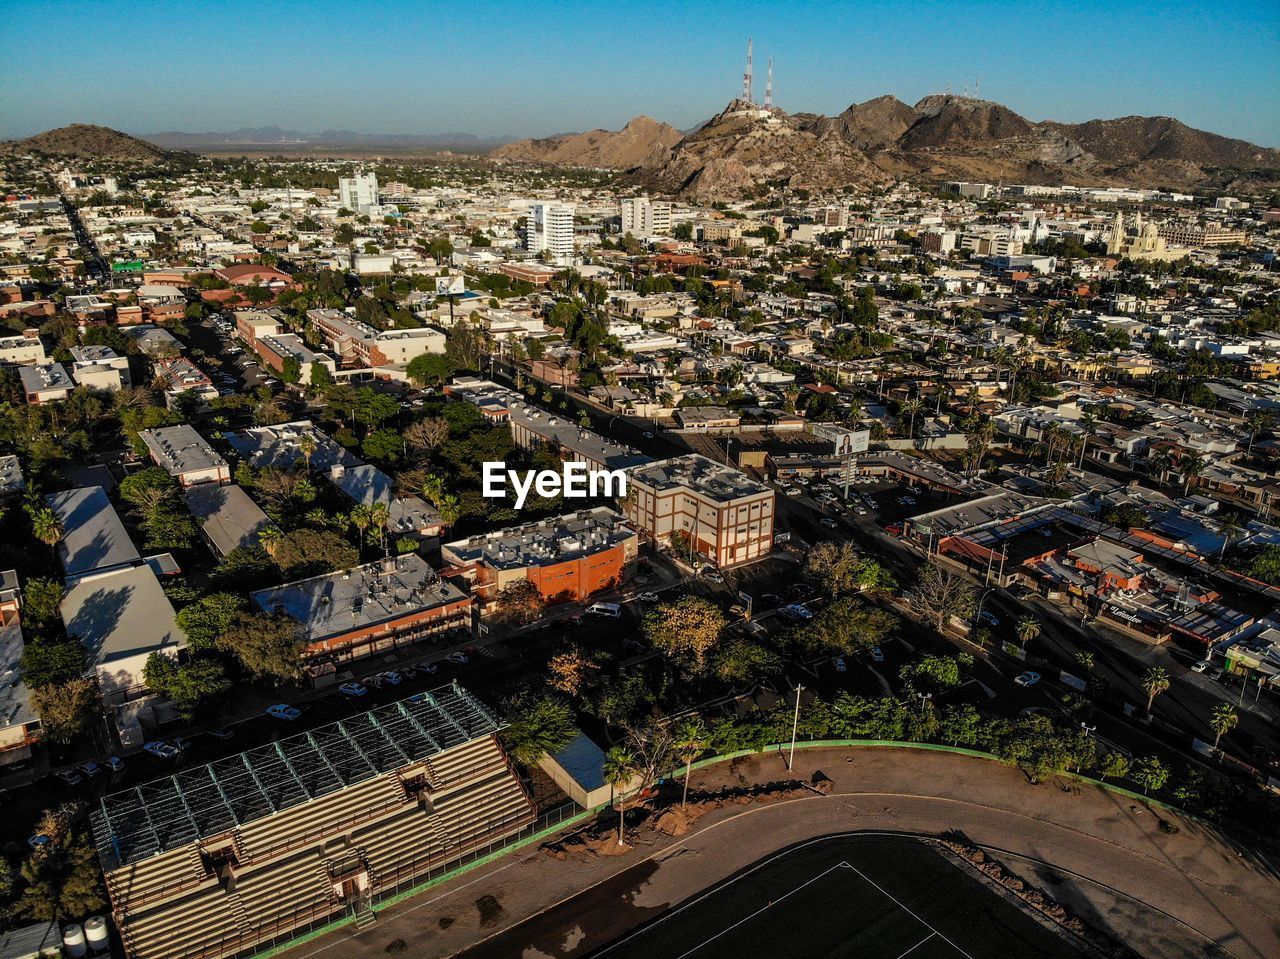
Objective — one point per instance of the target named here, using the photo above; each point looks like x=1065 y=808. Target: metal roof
x=194 y=804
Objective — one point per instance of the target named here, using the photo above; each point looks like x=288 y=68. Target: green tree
x=62 y=876
x=740 y=660
x=190 y=686
x=267 y=644
x=41 y=601
x=537 y=726
x=49 y=661
x=1151 y=774
x=520 y=603
x=844 y=625
x=429 y=369
x=208 y=618
x=686 y=630
x=1114 y=766
x=310 y=552
x=67 y=708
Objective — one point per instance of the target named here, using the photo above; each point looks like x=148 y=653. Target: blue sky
x=536 y=68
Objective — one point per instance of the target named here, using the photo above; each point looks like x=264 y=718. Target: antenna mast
x=768 y=87
x=746 y=77
x=977 y=88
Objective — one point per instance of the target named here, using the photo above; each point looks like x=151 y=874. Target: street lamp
x=924 y=698
x=1088 y=730
x=977 y=615
x=795 y=725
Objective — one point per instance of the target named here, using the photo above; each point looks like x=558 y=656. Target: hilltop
x=637 y=143
x=88 y=142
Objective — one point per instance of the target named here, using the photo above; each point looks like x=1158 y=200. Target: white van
x=605 y=609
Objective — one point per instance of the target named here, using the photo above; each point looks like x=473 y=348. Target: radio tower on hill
x=746 y=77
x=768 y=88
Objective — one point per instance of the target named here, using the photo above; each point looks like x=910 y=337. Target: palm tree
x=1154 y=682
x=361 y=519
x=379 y=517
x=1089 y=426
x=1230 y=529
x=46 y=526
x=619 y=768
x=1086 y=660
x=270 y=538
x=1258 y=422
x=1159 y=463
x=307 y=447
x=912 y=407
x=690 y=740
x=1222 y=720
x=1052 y=433
x=1028 y=628
x=1192 y=468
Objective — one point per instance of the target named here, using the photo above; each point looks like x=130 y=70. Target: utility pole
x=795 y=725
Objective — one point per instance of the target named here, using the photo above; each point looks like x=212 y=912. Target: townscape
x=911 y=459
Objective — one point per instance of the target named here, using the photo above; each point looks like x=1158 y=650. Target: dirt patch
x=490 y=910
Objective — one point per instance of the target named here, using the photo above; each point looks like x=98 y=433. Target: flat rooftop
x=335 y=604
x=280 y=446
x=546 y=542
x=11 y=480
x=700 y=474
x=180 y=449
x=93 y=538
x=48 y=376
x=193 y=804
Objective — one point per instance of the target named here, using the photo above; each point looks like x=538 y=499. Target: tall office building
x=550 y=228
x=358 y=193
x=643 y=218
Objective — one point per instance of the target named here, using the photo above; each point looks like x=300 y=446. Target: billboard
x=848 y=442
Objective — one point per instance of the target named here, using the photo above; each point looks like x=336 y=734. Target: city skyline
x=565 y=69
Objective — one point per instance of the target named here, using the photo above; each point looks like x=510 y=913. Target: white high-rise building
x=550 y=229
x=358 y=193
x=643 y=218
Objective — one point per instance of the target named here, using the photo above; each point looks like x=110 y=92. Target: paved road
x=1189 y=892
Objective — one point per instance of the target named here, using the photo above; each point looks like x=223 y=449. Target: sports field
x=870 y=897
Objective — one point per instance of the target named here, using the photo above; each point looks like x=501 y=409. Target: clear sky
x=536 y=68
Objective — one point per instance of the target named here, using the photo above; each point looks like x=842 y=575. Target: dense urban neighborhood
x=984 y=467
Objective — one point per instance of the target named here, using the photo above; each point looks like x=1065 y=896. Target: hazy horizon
x=504 y=70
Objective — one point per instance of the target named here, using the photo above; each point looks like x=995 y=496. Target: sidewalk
x=1166 y=895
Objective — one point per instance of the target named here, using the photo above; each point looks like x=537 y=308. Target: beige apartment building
x=692 y=501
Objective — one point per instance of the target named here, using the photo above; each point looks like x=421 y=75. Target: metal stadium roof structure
x=193 y=804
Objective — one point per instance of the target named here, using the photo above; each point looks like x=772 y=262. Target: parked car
x=392 y=678
x=284 y=711
x=612 y=610
x=180 y=743
x=222 y=732
x=828 y=522
x=353 y=689
x=648 y=597
x=797 y=611
x=114 y=763
x=1029 y=678
x=458 y=658
x=647 y=435
x=160 y=750
x=877 y=654
x=712 y=575
x=840 y=665
x=1201 y=666
x=37 y=840
x=988 y=617
x=771 y=599
x=70 y=776
x=429 y=669
x=91 y=770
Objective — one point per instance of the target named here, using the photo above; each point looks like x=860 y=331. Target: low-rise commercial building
x=45 y=383
x=185 y=455
x=373 y=608
x=566 y=557
x=358 y=344
x=228 y=518
x=99 y=367
x=700 y=506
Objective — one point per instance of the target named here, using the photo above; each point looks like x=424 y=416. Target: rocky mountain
x=634 y=145
x=745 y=147
x=86 y=141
